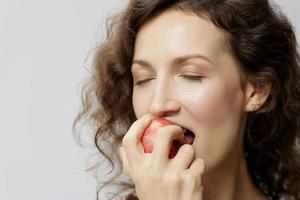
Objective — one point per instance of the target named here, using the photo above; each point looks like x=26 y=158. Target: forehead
x=173 y=33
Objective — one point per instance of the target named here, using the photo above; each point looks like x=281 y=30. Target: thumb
x=124 y=161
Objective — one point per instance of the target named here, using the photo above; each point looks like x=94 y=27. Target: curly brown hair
x=263 y=41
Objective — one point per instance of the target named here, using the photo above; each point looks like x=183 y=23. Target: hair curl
x=263 y=41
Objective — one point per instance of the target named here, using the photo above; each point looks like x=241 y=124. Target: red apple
x=149 y=137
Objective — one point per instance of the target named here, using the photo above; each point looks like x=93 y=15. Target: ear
x=256 y=95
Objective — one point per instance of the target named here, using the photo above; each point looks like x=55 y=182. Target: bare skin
x=182 y=72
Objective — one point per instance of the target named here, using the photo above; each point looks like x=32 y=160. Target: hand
x=156 y=177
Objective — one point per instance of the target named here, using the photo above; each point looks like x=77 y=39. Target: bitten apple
x=149 y=137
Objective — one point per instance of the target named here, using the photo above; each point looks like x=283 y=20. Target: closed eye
x=141 y=82
x=189 y=77
x=192 y=77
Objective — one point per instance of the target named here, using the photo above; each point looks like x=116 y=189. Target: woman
x=225 y=71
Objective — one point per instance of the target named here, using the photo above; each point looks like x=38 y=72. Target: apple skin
x=149 y=137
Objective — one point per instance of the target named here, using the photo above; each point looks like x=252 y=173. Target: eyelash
x=191 y=78
x=143 y=81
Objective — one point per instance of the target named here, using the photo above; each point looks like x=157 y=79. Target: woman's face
x=183 y=72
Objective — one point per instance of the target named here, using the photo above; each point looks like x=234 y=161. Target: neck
x=231 y=181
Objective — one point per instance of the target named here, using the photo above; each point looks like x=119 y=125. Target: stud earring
x=255 y=106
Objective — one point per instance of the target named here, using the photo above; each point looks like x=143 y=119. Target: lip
x=188 y=133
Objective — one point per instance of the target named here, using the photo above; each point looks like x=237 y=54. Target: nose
x=164 y=101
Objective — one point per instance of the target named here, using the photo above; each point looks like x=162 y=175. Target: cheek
x=141 y=101
x=215 y=103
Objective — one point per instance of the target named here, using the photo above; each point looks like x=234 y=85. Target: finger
x=192 y=185
x=164 y=139
x=126 y=167
x=197 y=167
x=132 y=139
x=184 y=157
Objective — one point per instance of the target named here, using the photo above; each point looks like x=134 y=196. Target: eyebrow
x=176 y=60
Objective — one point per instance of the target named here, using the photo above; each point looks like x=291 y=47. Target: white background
x=44 y=46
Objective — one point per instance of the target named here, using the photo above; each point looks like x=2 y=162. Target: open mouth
x=189 y=136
